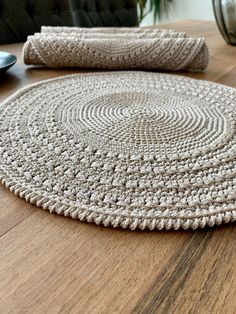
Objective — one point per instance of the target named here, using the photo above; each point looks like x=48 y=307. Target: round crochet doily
x=130 y=149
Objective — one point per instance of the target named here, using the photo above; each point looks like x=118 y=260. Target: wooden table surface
x=51 y=264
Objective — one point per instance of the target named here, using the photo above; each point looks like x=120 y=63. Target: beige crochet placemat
x=130 y=149
x=116 y=48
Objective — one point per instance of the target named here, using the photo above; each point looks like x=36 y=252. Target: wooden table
x=51 y=264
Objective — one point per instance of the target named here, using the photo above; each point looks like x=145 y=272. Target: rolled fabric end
x=29 y=53
x=201 y=59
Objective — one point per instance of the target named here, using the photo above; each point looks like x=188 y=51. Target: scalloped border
x=112 y=220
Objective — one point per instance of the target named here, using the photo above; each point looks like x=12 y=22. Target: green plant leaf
x=157 y=7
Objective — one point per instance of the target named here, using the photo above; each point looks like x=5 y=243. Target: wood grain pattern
x=52 y=264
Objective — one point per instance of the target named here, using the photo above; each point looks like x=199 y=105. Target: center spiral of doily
x=156 y=120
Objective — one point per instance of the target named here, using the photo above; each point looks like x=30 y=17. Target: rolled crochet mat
x=116 y=49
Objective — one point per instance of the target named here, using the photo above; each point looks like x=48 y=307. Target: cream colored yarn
x=115 y=48
x=135 y=32
x=130 y=149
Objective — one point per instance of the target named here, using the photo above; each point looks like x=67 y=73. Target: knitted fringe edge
x=113 y=220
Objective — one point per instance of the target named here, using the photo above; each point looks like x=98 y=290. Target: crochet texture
x=130 y=149
x=116 y=48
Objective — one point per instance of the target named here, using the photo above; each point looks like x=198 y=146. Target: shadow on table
x=7 y=78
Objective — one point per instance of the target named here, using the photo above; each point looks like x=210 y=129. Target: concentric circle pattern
x=130 y=149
